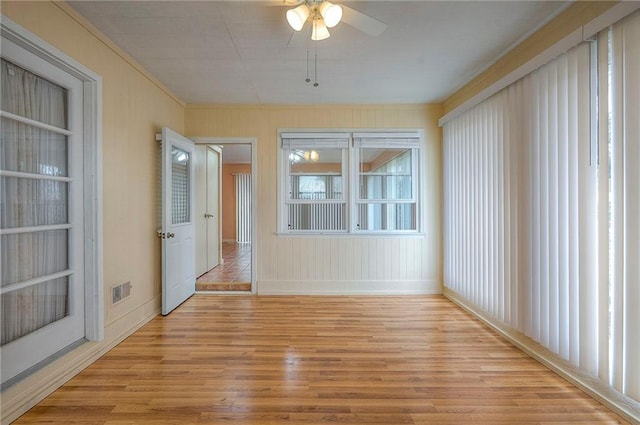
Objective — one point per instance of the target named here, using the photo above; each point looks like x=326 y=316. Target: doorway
x=234 y=270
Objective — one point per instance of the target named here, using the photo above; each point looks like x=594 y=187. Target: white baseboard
x=25 y=394
x=348 y=287
x=619 y=403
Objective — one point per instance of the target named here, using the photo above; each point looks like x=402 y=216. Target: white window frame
x=399 y=140
x=92 y=166
x=311 y=140
x=388 y=138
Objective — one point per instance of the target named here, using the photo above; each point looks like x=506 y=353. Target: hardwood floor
x=314 y=360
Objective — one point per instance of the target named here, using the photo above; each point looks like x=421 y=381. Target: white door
x=177 y=233
x=214 y=180
x=41 y=230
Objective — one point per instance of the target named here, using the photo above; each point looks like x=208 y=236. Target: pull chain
x=308 y=80
x=315 y=65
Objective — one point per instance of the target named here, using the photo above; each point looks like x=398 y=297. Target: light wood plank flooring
x=314 y=360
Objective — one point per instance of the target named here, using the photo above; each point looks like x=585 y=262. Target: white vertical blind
x=481 y=183
x=624 y=95
x=542 y=226
x=563 y=225
x=243 y=207
x=521 y=211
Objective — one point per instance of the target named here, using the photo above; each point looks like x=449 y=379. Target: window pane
x=387 y=216
x=26 y=256
x=31 y=308
x=385 y=173
x=32 y=202
x=316 y=187
x=180 y=186
x=317 y=217
x=33 y=150
x=31 y=96
x=315 y=173
x=384 y=187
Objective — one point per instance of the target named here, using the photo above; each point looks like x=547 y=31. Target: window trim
x=92 y=164
x=351 y=177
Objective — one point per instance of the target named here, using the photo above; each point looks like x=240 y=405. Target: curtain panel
x=31 y=159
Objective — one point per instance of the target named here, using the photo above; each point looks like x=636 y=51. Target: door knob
x=207 y=215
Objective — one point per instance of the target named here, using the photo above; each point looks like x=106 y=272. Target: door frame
x=252 y=141
x=27 y=44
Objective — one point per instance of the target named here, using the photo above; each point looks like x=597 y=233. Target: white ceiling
x=237 y=51
x=236 y=154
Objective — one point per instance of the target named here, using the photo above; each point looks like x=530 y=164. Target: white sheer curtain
x=623 y=106
x=34 y=204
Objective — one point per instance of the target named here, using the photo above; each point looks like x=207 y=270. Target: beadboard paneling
x=295 y=264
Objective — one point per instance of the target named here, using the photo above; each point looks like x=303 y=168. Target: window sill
x=354 y=235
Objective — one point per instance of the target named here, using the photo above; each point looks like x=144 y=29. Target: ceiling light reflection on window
x=297 y=156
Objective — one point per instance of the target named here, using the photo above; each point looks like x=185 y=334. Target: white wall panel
x=297 y=259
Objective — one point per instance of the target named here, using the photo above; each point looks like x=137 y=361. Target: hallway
x=234 y=274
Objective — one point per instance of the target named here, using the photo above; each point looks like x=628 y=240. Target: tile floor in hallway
x=234 y=274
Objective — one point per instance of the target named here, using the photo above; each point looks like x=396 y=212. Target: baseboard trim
x=617 y=402
x=349 y=287
x=25 y=394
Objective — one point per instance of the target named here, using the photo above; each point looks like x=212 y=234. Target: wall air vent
x=120 y=292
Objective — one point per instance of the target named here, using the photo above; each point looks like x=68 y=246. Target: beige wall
x=333 y=264
x=229 y=198
x=134 y=108
x=575 y=16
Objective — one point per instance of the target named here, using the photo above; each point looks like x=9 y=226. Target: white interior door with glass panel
x=41 y=229
x=178 y=228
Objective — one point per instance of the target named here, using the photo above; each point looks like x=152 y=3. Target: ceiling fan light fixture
x=320 y=31
x=298 y=16
x=331 y=13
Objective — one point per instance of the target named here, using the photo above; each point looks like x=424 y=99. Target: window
x=349 y=182
x=386 y=196
x=315 y=168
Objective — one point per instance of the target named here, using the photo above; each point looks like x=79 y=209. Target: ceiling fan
x=324 y=15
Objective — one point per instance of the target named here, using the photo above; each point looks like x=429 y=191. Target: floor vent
x=120 y=292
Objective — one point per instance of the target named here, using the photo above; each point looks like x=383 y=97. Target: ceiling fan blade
x=299 y=38
x=363 y=22
x=288 y=3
